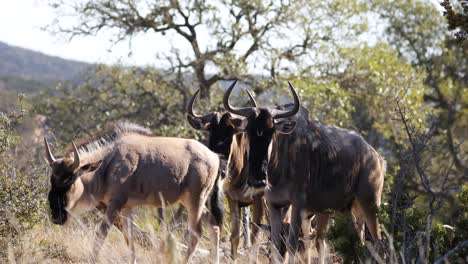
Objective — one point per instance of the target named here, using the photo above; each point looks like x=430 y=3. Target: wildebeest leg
x=160 y=216
x=305 y=227
x=112 y=213
x=195 y=210
x=293 y=238
x=257 y=216
x=321 y=230
x=370 y=214
x=214 y=231
x=177 y=217
x=358 y=220
x=245 y=212
x=276 y=226
x=141 y=237
x=126 y=216
x=257 y=221
x=195 y=233
x=368 y=197
x=235 y=226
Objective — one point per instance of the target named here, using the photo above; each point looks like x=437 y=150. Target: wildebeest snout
x=59 y=219
x=256 y=183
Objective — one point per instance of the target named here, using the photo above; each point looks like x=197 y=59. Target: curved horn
x=49 y=155
x=190 y=105
x=238 y=111
x=297 y=105
x=76 y=158
x=252 y=99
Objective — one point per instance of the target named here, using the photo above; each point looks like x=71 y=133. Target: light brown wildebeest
x=127 y=168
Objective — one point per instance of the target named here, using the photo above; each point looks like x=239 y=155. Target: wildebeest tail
x=216 y=196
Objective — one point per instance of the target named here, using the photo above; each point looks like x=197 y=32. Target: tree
x=111 y=93
x=221 y=40
x=457 y=17
x=416 y=30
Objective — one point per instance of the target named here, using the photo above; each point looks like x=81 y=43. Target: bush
x=22 y=201
x=344 y=239
x=22 y=196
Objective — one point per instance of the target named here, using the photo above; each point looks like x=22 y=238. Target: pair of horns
x=51 y=159
x=245 y=111
x=194 y=97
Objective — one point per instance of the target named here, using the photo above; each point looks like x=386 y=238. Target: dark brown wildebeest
x=127 y=168
x=222 y=139
x=315 y=169
x=226 y=140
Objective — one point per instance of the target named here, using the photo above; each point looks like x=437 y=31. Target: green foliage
x=407 y=235
x=22 y=196
x=460 y=232
x=326 y=100
x=414 y=27
x=457 y=17
x=417 y=30
x=22 y=201
x=375 y=77
x=111 y=93
x=345 y=241
x=8 y=122
x=19 y=84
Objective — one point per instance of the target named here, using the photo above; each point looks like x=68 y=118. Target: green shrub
x=22 y=194
x=22 y=201
x=344 y=239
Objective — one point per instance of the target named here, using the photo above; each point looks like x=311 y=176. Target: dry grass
x=49 y=243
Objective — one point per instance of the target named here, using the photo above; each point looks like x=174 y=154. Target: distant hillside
x=20 y=63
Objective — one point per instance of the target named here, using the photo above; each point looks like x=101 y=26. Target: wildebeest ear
x=240 y=124
x=89 y=167
x=198 y=123
x=285 y=127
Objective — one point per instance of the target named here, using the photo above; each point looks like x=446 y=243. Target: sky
x=22 y=22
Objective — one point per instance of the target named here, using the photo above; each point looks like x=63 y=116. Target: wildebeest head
x=65 y=172
x=221 y=126
x=261 y=124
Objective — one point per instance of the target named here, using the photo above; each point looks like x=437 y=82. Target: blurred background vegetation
x=395 y=71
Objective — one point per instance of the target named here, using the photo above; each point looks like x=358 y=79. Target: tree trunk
x=204 y=91
x=203 y=83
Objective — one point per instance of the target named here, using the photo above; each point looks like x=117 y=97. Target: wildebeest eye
x=85 y=167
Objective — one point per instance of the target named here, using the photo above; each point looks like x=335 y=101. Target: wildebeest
x=335 y=169
x=127 y=168
x=227 y=138
x=315 y=168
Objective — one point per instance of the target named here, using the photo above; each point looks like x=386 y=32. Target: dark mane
x=310 y=144
x=237 y=161
x=108 y=134
x=323 y=154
